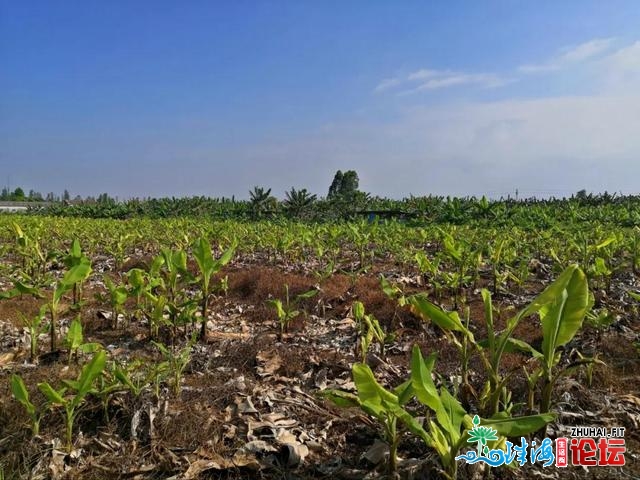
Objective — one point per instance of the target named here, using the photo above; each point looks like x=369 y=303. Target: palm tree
x=297 y=202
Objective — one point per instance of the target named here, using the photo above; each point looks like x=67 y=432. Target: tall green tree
x=336 y=184
x=350 y=183
x=18 y=194
x=344 y=185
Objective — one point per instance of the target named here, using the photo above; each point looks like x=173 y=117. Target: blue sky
x=159 y=98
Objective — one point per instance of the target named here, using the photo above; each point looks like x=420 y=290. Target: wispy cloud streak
x=427 y=79
x=570 y=56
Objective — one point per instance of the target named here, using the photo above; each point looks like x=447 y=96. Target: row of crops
x=570 y=276
x=602 y=248
x=451 y=256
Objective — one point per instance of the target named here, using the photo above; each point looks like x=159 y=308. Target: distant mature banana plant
x=297 y=203
x=261 y=201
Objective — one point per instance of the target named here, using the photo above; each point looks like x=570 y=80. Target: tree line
x=344 y=200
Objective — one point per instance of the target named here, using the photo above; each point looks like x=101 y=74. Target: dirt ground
x=251 y=402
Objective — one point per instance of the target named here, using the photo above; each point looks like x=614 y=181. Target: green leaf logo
x=481 y=435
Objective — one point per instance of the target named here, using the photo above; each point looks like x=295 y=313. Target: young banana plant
x=142 y=284
x=134 y=376
x=446 y=429
x=76 y=274
x=370 y=329
x=387 y=407
x=20 y=288
x=73 y=394
x=75 y=340
x=175 y=361
x=430 y=269
x=465 y=260
x=73 y=258
x=28 y=246
x=168 y=275
x=117 y=296
x=36 y=325
x=562 y=307
x=208 y=267
x=394 y=293
x=287 y=310
x=449 y=432
x=21 y=394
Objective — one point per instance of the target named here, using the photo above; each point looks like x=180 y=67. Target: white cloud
x=431 y=79
x=486 y=80
x=627 y=58
x=586 y=50
x=569 y=56
x=514 y=133
x=595 y=53
x=426 y=73
x=387 y=84
x=540 y=146
x=620 y=71
x=428 y=79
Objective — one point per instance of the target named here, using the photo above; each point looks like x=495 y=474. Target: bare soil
x=250 y=405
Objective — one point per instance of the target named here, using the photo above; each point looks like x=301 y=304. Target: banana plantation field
x=192 y=348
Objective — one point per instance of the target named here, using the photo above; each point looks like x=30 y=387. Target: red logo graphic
x=561 y=452
x=606 y=452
